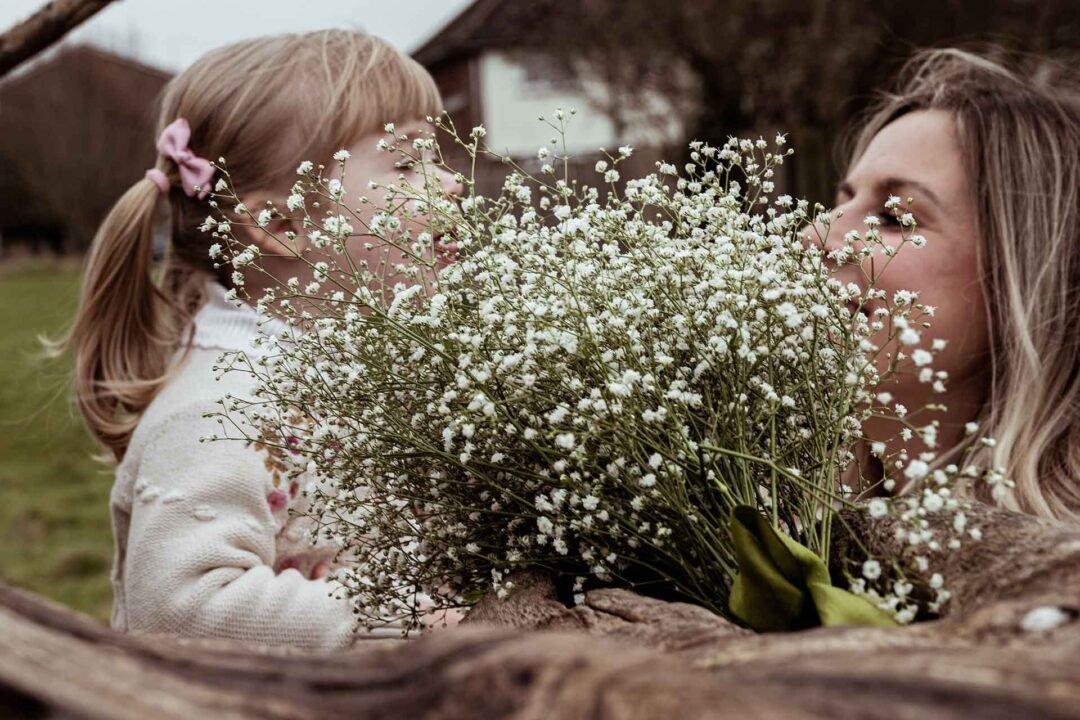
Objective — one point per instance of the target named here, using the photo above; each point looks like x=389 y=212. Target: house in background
x=487 y=79
x=75 y=133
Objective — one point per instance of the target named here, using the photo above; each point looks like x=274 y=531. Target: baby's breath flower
x=909 y=336
x=566 y=441
x=921 y=357
x=916 y=470
x=878 y=508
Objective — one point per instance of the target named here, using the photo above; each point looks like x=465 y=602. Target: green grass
x=54 y=498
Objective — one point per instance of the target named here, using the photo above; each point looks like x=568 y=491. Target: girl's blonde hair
x=264 y=105
x=1019 y=131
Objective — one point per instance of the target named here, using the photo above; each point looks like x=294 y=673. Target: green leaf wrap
x=783 y=585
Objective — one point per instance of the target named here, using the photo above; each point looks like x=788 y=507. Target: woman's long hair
x=1019 y=133
x=264 y=105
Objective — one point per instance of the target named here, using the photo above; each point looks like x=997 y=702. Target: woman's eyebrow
x=895 y=184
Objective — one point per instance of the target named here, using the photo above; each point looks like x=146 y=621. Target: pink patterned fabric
x=277 y=500
x=194 y=170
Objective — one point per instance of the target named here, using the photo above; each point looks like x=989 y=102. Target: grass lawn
x=54 y=498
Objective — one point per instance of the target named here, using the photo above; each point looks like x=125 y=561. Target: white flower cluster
x=934 y=494
x=591 y=387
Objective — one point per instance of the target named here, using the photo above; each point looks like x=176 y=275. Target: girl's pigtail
x=122 y=338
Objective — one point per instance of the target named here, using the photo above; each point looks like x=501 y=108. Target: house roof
x=60 y=115
x=73 y=54
x=483 y=25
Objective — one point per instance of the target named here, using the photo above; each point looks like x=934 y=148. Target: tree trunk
x=619 y=655
x=43 y=28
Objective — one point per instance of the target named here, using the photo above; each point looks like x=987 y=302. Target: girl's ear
x=282 y=235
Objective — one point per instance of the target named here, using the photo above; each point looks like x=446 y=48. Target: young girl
x=988 y=151
x=205 y=544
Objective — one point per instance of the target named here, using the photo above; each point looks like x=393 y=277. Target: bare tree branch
x=43 y=28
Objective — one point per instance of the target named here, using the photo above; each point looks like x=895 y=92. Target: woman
x=990 y=157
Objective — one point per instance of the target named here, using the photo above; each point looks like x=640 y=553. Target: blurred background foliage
x=806 y=67
x=54 y=497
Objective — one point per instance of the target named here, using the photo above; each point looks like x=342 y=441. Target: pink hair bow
x=194 y=170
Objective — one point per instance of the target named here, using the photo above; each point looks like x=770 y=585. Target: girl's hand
x=318 y=572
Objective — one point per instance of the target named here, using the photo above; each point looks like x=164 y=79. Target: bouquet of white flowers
x=593 y=386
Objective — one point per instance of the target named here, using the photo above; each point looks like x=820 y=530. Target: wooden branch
x=1022 y=564
x=43 y=28
x=54 y=663
x=618 y=656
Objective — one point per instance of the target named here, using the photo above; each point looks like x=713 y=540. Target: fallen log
x=1008 y=643
x=1023 y=569
x=619 y=655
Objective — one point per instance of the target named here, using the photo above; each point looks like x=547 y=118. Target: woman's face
x=917 y=156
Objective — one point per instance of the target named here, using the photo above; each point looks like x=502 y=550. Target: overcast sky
x=172 y=33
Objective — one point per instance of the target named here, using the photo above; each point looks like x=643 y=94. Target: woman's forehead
x=917 y=154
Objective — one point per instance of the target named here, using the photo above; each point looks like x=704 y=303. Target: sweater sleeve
x=201 y=547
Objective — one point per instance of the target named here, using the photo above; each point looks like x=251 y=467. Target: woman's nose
x=829 y=230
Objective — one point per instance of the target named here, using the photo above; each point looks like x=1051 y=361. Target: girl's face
x=366 y=164
x=917 y=156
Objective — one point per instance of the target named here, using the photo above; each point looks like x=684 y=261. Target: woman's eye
x=888 y=217
x=405 y=165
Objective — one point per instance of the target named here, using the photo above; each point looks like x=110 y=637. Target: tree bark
x=987 y=650
x=43 y=28
x=619 y=655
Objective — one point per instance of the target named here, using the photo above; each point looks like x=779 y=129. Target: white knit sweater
x=205 y=543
